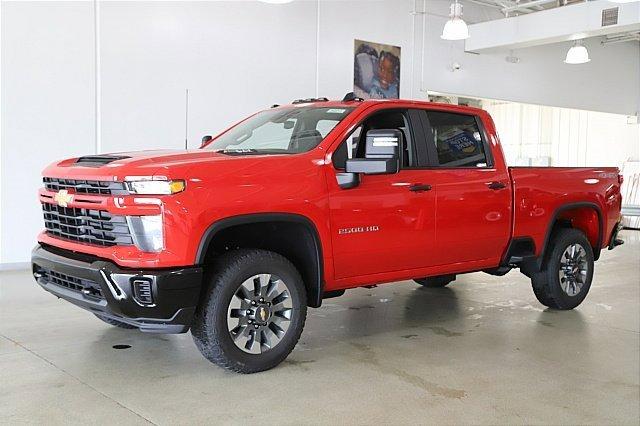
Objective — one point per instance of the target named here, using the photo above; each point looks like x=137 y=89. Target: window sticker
x=336 y=111
x=462 y=142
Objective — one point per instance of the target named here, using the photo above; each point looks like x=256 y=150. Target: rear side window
x=458 y=139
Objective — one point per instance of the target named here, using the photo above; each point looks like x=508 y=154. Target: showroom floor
x=481 y=351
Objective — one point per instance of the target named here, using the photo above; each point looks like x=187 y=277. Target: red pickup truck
x=298 y=203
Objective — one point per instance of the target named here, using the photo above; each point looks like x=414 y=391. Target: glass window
x=387 y=119
x=325 y=126
x=458 y=139
x=280 y=131
x=347 y=149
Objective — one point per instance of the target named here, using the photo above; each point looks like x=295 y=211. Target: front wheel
x=565 y=278
x=253 y=312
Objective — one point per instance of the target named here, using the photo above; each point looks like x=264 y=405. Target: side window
x=458 y=139
x=389 y=119
x=347 y=149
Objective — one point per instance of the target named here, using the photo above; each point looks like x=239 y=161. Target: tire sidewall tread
x=546 y=283
x=210 y=331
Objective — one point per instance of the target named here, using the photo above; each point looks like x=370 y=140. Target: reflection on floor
x=480 y=351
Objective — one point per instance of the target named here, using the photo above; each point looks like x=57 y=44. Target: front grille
x=88 y=226
x=98 y=187
x=81 y=285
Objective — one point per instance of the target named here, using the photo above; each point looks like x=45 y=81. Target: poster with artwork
x=376 y=70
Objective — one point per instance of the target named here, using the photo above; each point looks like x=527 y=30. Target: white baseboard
x=14 y=266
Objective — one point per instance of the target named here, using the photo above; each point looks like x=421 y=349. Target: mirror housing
x=348 y=180
x=205 y=140
x=382 y=153
x=369 y=166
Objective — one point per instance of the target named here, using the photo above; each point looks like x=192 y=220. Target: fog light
x=146 y=232
x=143 y=291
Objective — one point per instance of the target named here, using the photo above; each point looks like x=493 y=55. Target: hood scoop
x=98 y=160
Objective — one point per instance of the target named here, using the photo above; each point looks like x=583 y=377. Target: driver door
x=384 y=224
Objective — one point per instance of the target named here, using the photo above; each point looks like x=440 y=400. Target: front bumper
x=156 y=301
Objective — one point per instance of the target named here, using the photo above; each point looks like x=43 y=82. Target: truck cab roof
x=400 y=103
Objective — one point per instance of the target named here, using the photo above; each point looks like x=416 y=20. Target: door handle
x=496 y=185
x=418 y=187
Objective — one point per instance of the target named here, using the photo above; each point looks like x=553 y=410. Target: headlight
x=146 y=232
x=155 y=187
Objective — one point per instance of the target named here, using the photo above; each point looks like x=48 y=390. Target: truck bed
x=590 y=195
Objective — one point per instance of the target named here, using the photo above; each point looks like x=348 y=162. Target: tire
x=559 y=287
x=115 y=323
x=222 y=327
x=436 y=282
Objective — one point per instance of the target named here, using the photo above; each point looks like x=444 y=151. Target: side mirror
x=205 y=140
x=382 y=153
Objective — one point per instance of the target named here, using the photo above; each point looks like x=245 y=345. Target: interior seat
x=305 y=141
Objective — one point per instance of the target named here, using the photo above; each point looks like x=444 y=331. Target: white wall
x=568 y=137
x=609 y=83
x=47 y=107
x=343 y=21
x=234 y=57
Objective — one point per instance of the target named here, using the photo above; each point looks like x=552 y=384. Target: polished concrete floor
x=482 y=351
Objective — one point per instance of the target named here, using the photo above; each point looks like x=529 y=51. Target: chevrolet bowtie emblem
x=63 y=198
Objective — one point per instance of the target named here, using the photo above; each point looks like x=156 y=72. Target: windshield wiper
x=237 y=151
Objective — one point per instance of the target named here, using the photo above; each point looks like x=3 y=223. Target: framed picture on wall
x=376 y=70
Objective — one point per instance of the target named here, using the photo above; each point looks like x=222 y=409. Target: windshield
x=280 y=131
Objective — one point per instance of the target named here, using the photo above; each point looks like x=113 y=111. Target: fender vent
x=98 y=160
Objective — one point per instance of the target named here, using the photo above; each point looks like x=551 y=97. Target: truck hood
x=116 y=166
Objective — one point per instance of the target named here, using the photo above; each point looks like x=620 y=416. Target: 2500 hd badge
x=358 y=229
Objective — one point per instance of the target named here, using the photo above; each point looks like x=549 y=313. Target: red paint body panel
x=540 y=192
x=459 y=226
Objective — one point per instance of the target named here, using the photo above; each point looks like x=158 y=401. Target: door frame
x=432 y=153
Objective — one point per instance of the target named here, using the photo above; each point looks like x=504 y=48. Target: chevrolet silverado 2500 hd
x=297 y=203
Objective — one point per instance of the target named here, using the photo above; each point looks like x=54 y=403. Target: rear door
x=473 y=199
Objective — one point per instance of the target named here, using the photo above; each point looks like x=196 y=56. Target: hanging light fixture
x=455 y=28
x=578 y=54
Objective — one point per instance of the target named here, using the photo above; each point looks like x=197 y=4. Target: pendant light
x=455 y=28
x=578 y=54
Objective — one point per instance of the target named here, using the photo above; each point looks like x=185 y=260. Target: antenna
x=186 y=119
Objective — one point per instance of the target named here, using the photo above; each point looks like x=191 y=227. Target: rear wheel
x=253 y=313
x=435 y=282
x=565 y=278
x=115 y=323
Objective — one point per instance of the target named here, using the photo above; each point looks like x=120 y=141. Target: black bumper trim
x=175 y=291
